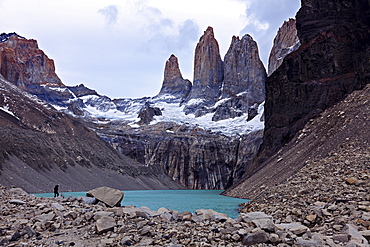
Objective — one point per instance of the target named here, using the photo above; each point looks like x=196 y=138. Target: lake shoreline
x=181 y=200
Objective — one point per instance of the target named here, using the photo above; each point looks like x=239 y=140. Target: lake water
x=181 y=200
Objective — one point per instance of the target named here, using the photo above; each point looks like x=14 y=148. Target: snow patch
x=194 y=102
x=7 y=110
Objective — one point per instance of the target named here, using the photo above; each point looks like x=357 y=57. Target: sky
x=119 y=47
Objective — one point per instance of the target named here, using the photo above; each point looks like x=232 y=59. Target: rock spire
x=208 y=71
x=173 y=83
x=244 y=80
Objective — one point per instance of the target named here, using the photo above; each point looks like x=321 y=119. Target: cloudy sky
x=119 y=47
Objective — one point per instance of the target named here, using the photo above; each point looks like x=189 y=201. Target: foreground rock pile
x=329 y=198
x=27 y=220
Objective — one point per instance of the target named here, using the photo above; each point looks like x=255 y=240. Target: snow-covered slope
x=102 y=109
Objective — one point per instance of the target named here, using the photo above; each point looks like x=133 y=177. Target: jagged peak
x=5 y=36
x=209 y=31
x=245 y=38
x=172 y=68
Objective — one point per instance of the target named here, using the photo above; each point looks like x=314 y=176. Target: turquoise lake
x=180 y=200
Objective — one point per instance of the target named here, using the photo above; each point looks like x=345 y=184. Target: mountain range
x=222 y=130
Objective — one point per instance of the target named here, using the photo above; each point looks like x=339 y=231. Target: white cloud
x=110 y=13
x=127 y=58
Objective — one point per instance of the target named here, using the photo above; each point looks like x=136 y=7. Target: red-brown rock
x=208 y=71
x=23 y=63
x=173 y=83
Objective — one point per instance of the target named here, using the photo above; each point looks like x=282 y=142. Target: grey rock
x=109 y=196
x=29 y=231
x=145 y=230
x=18 y=191
x=71 y=214
x=45 y=217
x=344 y=238
x=147 y=114
x=141 y=214
x=101 y=214
x=149 y=212
x=249 y=217
x=105 y=224
x=274 y=238
x=355 y=236
x=126 y=241
x=87 y=200
x=299 y=230
x=264 y=224
x=307 y=242
x=57 y=206
x=255 y=238
x=17 y=202
x=365 y=234
x=185 y=216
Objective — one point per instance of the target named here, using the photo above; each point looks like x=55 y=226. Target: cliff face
x=26 y=66
x=285 y=42
x=173 y=83
x=23 y=63
x=192 y=157
x=332 y=61
x=208 y=74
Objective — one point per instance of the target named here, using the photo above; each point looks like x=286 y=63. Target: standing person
x=56 y=192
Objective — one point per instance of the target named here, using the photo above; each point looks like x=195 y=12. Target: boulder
x=17 y=202
x=147 y=114
x=109 y=196
x=105 y=224
x=354 y=235
x=365 y=234
x=256 y=237
x=45 y=217
x=254 y=216
x=57 y=206
x=18 y=191
x=299 y=229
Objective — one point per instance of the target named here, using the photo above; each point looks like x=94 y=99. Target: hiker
x=56 y=192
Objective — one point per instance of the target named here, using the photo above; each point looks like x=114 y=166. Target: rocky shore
x=341 y=218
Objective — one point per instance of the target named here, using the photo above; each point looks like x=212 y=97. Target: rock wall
x=193 y=158
x=332 y=61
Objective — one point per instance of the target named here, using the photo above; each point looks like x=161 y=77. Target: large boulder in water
x=109 y=196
